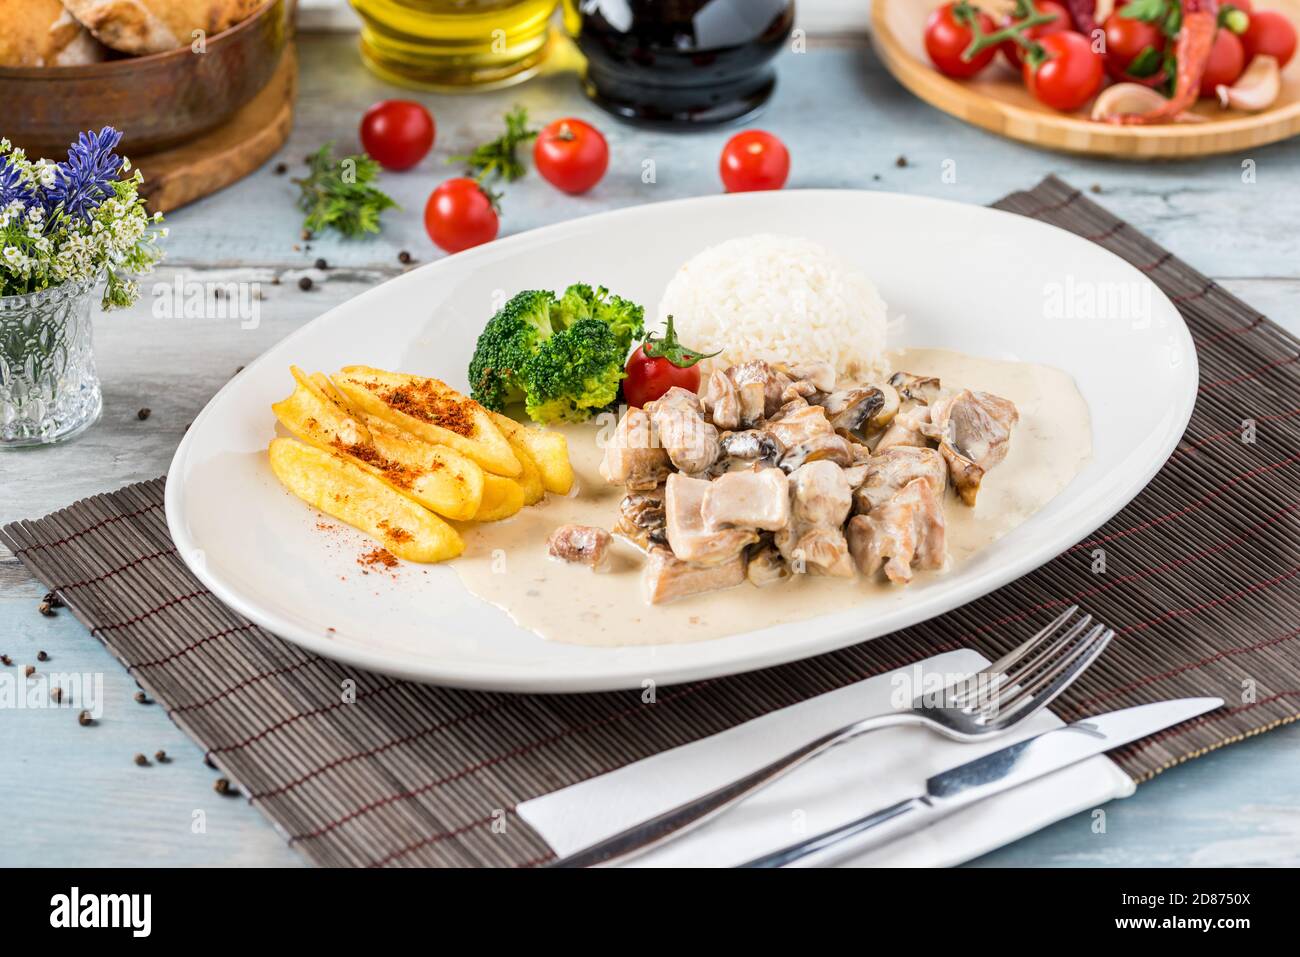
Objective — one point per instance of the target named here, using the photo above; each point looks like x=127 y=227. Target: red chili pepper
x=1195 y=40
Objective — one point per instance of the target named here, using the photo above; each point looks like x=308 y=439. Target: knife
x=962 y=786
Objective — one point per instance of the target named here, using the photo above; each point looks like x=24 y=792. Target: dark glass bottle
x=680 y=62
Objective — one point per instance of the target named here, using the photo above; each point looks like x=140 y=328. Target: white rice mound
x=778 y=298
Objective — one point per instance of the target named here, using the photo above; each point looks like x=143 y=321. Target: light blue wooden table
x=71 y=795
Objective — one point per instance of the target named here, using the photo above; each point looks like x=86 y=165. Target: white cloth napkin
x=872 y=772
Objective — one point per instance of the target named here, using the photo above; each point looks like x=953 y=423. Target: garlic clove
x=1123 y=99
x=1256 y=89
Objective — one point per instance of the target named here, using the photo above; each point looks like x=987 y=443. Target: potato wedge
x=549 y=451
x=530 y=476
x=308 y=410
x=433 y=475
x=502 y=497
x=342 y=489
x=432 y=410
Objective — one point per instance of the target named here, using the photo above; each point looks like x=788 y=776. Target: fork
x=989 y=702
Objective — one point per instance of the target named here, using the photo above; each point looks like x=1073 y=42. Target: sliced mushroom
x=766 y=566
x=641 y=520
x=1256 y=89
x=753 y=445
x=853 y=409
x=889 y=407
x=915 y=388
x=830 y=446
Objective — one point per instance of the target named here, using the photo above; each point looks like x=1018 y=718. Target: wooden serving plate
x=997 y=100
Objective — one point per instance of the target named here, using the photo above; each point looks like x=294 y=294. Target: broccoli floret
x=507 y=341
x=625 y=317
x=574 y=372
x=562 y=357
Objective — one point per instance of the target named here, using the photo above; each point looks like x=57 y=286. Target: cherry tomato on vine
x=397 y=133
x=1270 y=34
x=754 y=160
x=1011 y=49
x=460 y=214
x=571 y=155
x=1125 y=41
x=1226 y=63
x=657 y=365
x=1070 y=75
x=948 y=34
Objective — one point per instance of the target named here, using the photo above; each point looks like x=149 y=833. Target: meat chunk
x=794 y=426
x=906 y=531
x=751 y=381
x=820 y=374
x=691 y=442
x=721 y=401
x=641 y=521
x=580 y=544
x=758 y=500
x=907 y=429
x=691 y=540
x=668 y=578
x=813 y=540
x=890 y=470
x=974 y=432
x=631 y=456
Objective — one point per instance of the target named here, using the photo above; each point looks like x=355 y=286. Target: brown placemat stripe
x=357 y=769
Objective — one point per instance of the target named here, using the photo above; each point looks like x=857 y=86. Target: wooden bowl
x=156 y=101
x=998 y=101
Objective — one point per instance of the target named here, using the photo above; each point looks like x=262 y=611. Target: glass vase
x=49 y=391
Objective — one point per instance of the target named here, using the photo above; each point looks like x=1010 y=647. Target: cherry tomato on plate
x=657 y=365
x=1271 y=34
x=1070 y=75
x=397 y=133
x=948 y=34
x=1226 y=63
x=1126 y=40
x=460 y=214
x=1011 y=49
x=571 y=155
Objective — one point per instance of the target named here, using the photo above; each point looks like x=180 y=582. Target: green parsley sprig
x=338 y=194
x=499 y=158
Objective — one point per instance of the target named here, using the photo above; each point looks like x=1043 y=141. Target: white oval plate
x=964 y=277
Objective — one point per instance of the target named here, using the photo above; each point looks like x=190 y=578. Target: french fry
x=432 y=410
x=434 y=476
x=549 y=451
x=502 y=497
x=342 y=489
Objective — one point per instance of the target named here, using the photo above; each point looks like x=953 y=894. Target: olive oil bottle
x=454 y=44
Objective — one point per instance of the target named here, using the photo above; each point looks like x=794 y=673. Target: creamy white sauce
x=506 y=563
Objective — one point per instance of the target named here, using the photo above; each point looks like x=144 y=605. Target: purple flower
x=12 y=186
x=85 y=180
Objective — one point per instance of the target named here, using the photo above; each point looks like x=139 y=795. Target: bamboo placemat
x=1200 y=588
